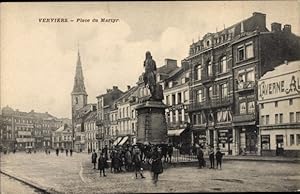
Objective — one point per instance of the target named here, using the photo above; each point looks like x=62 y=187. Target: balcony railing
x=245 y=86
x=211 y=103
x=208 y=78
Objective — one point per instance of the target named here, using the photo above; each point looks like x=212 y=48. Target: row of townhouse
x=212 y=98
x=225 y=68
x=22 y=130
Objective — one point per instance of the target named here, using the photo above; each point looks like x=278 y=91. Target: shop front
x=225 y=140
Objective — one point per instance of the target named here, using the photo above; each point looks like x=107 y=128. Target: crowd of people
x=133 y=158
x=212 y=156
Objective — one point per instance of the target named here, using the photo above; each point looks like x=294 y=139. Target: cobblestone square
x=65 y=174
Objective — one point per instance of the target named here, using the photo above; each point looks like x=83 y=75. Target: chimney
x=171 y=62
x=108 y=90
x=115 y=87
x=286 y=62
x=287 y=28
x=32 y=110
x=275 y=27
x=128 y=87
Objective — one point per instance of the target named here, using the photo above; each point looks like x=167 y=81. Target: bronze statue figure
x=149 y=76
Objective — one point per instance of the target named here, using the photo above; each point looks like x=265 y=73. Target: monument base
x=152 y=125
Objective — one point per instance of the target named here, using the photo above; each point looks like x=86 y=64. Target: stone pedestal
x=152 y=125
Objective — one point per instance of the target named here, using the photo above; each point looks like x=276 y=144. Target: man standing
x=219 y=156
x=200 y=157
x=156 y=167
x=170 y=152
x=71 y=151
x=137 y=163
x=102 y=164
x=212 y=158
x=94 y=158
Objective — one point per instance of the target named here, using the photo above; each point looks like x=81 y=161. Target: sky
x=38 y=59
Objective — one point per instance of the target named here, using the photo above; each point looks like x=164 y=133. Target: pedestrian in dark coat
x=71 y=152
x=156 y=166
x=57 y=151
x=170 y=152
x=94 y=158
x=102 y=164
x=67 y=151
x=219 y=157
x=212 y=158
x=200 y=157
x=137 y=162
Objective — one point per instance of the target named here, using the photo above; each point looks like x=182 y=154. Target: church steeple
x=79 y=87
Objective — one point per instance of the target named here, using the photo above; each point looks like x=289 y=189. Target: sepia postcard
x=149 y=97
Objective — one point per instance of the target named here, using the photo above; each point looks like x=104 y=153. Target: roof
x=63 y=128
x=92 y=116
x=284 y=68
x=85 y=110
x=127 y=94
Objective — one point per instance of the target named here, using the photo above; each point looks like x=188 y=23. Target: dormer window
x=207 y=43
x=170 y=84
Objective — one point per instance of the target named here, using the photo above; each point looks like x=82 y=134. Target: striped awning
x=123 y=140
x=175 y=132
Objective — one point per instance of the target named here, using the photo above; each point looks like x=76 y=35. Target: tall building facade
x=105 y=104
x=279 y=111
x=225 y=67
x=176 y=97
x=24 y=130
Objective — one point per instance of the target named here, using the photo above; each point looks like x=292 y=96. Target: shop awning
x=117 y=141
x=175 y=132
x=123 y=140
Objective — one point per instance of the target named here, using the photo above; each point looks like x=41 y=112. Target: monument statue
x=149 y=78
x=151 y=124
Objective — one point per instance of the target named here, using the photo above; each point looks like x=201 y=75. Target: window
x=292 y=139
x=249 y=51
x=198 y=72
x=178 y=98
x=291 y=102
x=265 y=142
x=250 y=76
x=210 y=92
x=168 y=100
x=207 y=43
x=223 y=65
x=267 y=119
x=199 y=95
x=76 y=100
x=262 y=120
x=224 y=90
x=280 y=118
x=183 y=80
x=298 y=139
x=209 y=68
x=251 y=107
x=173 y=99
x=170 y=84
x=185 y=95
x=262 y=106
x=243 y=108
x=241 y=54
x=276 y=118
x=297 y=117
x=292 y=117
x=276 y=104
